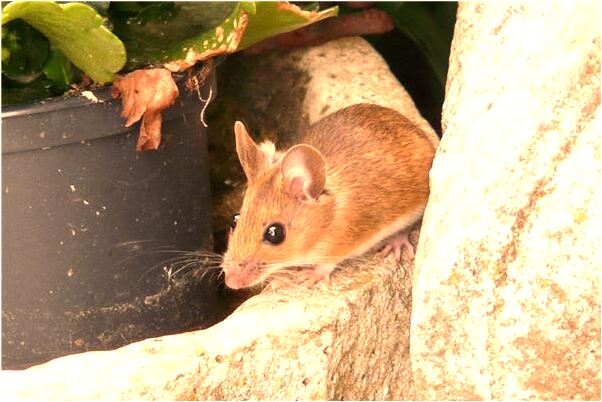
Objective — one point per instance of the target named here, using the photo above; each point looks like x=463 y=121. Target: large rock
x=345 y=340
x=506 y=288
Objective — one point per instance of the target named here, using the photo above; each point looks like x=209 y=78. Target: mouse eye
x=235 y=218
x=274 y=233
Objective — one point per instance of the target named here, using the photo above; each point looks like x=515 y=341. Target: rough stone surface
x=506 y=288
x=357 y=76
x=345 y=340
x=280 y=93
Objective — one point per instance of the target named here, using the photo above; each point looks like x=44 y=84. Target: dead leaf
x=144 y=94
x=370 y=21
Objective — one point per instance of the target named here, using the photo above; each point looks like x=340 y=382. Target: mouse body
x=358 y=177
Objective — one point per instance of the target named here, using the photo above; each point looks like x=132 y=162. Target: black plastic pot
x=88 y=224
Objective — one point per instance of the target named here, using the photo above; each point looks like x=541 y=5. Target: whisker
x=203 y=253
x=176 y=266
x=137 y=250
x=175 y=262
x=153 y=268
x=189 y=265
x=130 y=243
x=204 y=272
x=198 y=255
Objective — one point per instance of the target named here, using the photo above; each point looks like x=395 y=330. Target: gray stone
x=348 y=339
x=506 y=288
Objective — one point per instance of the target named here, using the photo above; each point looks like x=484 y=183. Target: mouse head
x=285 y=212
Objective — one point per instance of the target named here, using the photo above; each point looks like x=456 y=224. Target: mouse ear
x=252 y=158
x=304 y=172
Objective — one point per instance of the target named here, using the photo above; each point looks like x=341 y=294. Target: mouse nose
x=244 y=274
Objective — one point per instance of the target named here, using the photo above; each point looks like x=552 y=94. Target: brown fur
x=377 y=165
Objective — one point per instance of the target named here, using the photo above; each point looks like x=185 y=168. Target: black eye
x=234 y=220
x=274 y=233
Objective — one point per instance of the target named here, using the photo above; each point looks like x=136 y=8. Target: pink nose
x=242 y=275
x=234 y=282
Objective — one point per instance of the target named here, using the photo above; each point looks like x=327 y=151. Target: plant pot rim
x=32 y=126
x=61 y=102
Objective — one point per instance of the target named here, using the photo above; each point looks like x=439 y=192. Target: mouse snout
x=241 y=274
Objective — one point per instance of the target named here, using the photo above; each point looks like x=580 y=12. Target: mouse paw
x=396 y=244
x=317 y=274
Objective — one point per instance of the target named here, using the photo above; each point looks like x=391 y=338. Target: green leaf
x=15 y=93
x=149 y=30
x=197 y=31
x=313 y=6
x=430 y=28
x=220 y=40
x=24 y=52
x=59 y=70
x=272 y=18
x=77 y=30
x=101 y=7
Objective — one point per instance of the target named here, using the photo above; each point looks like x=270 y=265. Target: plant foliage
x=47 y=46
x=76 y=30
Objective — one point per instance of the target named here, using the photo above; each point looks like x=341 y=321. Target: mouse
x=357 y=179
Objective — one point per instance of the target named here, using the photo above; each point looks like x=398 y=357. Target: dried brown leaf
x=144 y=94
x=370 y=21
